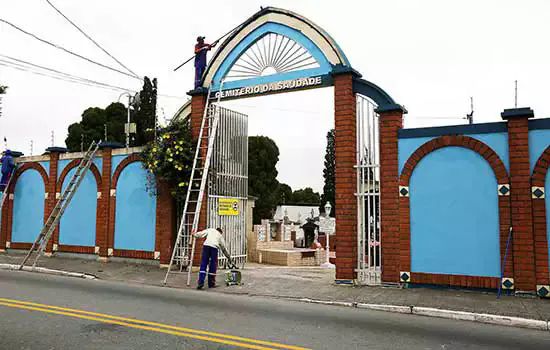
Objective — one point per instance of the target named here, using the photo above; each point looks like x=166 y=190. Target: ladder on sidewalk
x=61 y=205
x=182 y=254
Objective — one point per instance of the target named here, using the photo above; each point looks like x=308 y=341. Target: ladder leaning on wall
x=62 y=204
x=182 y=254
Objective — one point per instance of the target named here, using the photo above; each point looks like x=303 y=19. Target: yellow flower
x=170 y=160
x=181 y=184
x=154 y=150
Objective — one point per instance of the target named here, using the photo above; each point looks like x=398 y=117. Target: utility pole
x=105 y=126
x=31 y=146
x=81 y=142
x=53 y=139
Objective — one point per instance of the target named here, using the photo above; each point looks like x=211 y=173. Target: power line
x=61 y=76
x=68 y=51
x=89 y=38
x=71 y=76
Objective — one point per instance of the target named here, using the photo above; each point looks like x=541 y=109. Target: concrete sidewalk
x=309 y=283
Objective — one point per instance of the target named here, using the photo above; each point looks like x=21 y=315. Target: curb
x=508 y=321
x=48 y=271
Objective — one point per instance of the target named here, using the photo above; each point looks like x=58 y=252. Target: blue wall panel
x=454 y=215
x=46 y=166
x=539 y=140
x=547 y=199
x=28 y=207
x=61 y=165
x=78 y=224
x=406 y=147
x=116 y=160
x=135 y=211
x=497 y=141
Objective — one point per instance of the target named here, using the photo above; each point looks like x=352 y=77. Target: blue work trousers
x=210 y=260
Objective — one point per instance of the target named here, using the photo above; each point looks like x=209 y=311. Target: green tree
x=94 y=119
x=92 y=126
x=145 y=117
x=329 y=174
x=284 y=194
x=263 y=155
x=306 y=196
x=3 y=89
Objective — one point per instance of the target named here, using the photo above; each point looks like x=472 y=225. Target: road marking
x=156 y=327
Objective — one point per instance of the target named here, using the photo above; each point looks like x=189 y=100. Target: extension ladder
x=182 y=254
x=61 y=205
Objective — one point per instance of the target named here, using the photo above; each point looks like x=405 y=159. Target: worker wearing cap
x=201 y=48
x=7 y=168
x=214 y=242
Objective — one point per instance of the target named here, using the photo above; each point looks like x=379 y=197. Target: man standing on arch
x=200 y=58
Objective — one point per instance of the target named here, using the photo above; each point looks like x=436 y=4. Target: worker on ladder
x=214 y=242
x=201 y=48
x=7 y=168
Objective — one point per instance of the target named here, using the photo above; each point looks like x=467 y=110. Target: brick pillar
x=390 y=121
x=198 y=102
x=520 y=191
x=103 y=206
x=346 y=181
x=165 y=227
x=51 y=190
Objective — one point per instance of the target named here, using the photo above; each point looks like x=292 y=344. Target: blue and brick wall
x=111 y=214
x=461 y=188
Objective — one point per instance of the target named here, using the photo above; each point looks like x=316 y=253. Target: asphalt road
x=49 y=312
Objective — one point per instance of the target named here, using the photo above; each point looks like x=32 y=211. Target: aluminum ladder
x=182 y=254
x=61 y=205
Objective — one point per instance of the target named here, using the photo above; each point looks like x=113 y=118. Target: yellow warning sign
x=228 y=206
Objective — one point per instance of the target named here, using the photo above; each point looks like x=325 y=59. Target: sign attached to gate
x=228 y=206
x=274 y=87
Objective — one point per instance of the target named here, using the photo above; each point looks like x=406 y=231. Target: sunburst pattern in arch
x=271 y=54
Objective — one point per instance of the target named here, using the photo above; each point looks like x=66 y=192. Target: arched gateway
x=277 y=51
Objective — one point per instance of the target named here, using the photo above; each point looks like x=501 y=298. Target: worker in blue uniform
x=201 y=48
x=7 y=168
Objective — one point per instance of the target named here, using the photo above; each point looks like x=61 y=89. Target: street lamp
x=327 y=263
x=130 y=99
x=328 y=208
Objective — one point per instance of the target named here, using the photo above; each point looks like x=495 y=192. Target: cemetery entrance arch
x=277 y=51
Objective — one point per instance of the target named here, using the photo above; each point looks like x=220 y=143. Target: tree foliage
x=329 y=174
x=284 y=194
x=305 y=196
x=3 y=89
x=92 y=126
x=263 y=155
x=145 y=117
x=113 y=117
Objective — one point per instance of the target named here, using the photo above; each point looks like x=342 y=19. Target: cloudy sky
x=430 y=56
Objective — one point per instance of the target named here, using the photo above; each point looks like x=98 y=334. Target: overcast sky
x=430 y=56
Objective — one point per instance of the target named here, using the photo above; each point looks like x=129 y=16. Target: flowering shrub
x=170 y=157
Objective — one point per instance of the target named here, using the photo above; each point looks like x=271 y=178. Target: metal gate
x=228 y=184
x=368 y=193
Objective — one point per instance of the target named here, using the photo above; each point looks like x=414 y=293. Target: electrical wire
x=61 y=76
x=89 y=38
x=68 y=51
